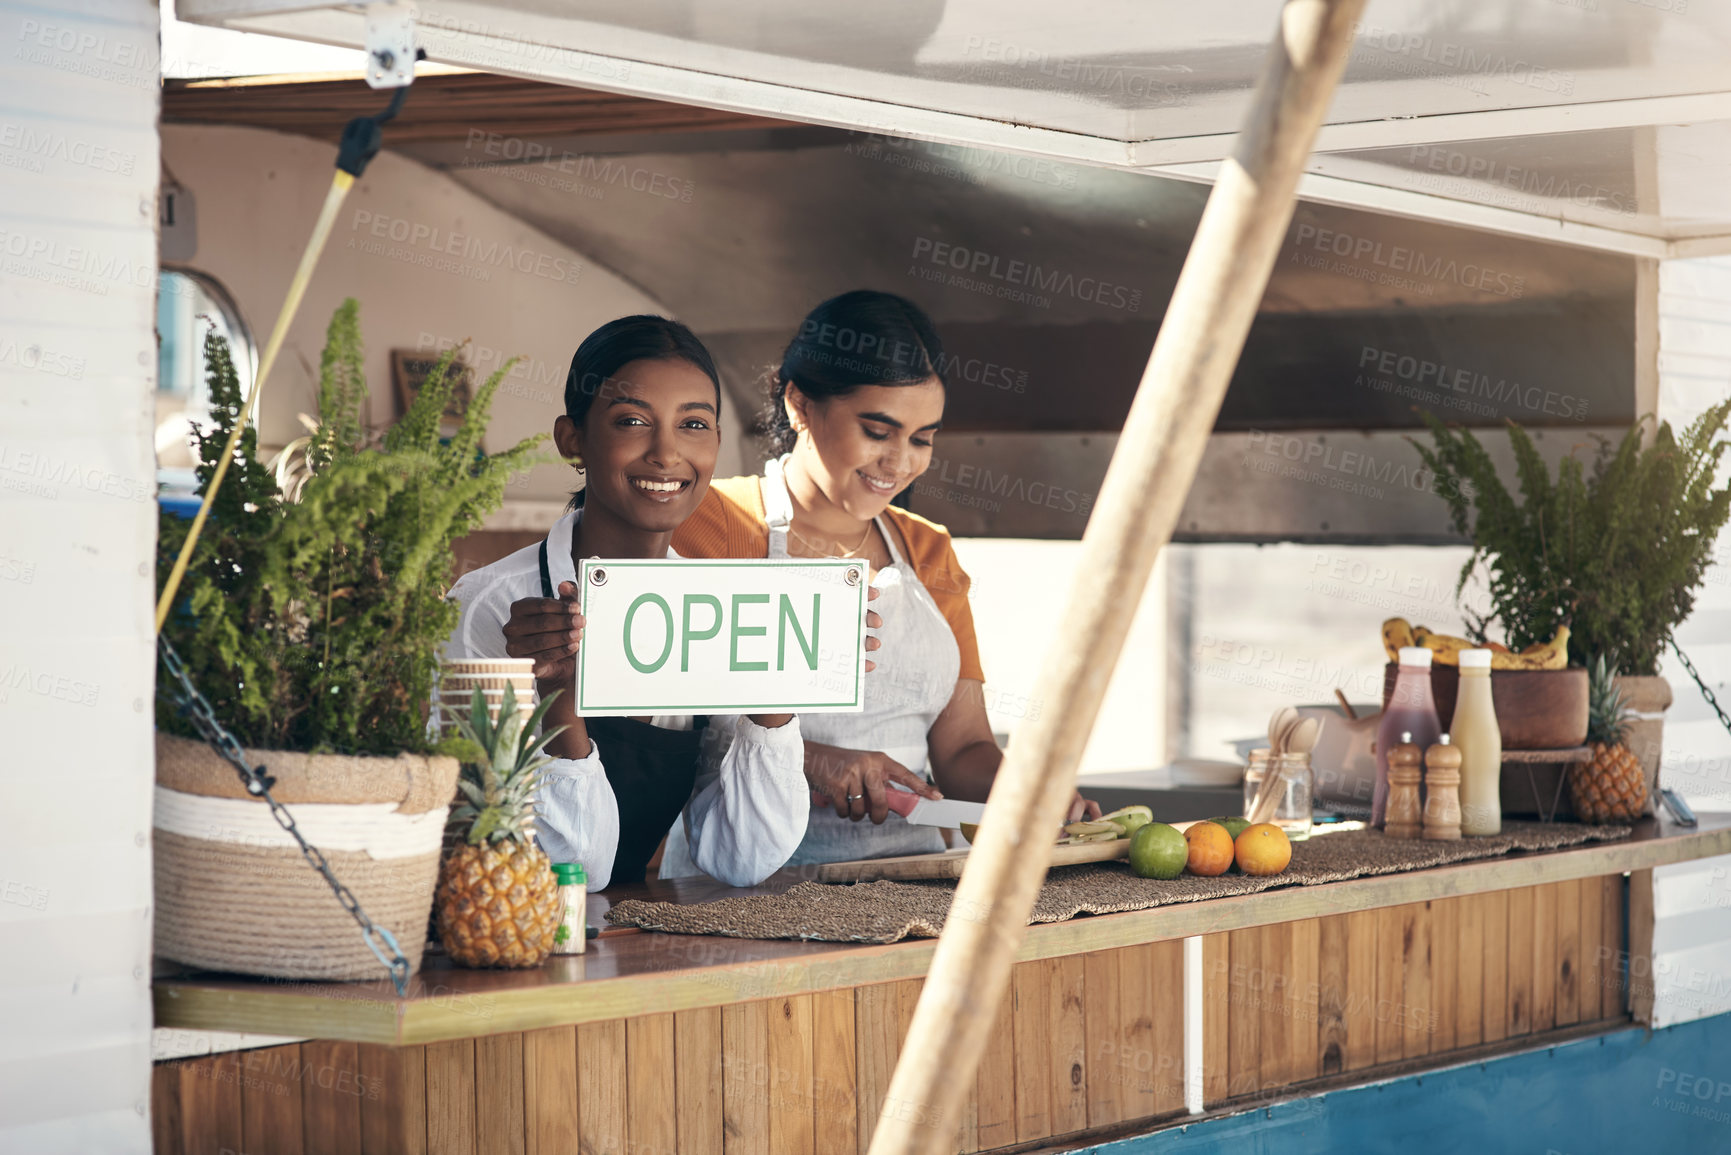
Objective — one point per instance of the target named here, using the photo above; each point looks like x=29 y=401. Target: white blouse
x=748 y=811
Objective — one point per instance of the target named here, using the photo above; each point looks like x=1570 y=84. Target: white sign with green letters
x=742 y=636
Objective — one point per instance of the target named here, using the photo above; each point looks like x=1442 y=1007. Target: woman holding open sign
x=642 y=421
x=856 y=402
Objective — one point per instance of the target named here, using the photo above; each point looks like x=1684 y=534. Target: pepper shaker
x=1403 y=819
x=1442 y=780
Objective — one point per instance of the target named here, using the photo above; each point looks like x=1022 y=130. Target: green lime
x=1234 y=826
x=1130 y=819
x=1158 y=851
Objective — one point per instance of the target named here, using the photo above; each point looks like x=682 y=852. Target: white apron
x=918 y=663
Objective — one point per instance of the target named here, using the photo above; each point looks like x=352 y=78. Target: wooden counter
x=641 y=973
x=665 y=1043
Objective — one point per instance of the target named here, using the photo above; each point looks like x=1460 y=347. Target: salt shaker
x=1402 y=818
x=1442 y=780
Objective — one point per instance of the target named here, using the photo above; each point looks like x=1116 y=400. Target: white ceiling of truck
x=1603 y=123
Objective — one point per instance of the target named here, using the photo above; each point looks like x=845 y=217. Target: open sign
x=678 y=636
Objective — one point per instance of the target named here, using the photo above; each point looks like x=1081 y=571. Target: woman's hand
x=549 y=631
x=1082 y=808
x=873 y=622
x=965 y=756
x=857 y=782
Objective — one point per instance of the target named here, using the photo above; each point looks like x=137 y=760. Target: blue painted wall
x=1628 y=1093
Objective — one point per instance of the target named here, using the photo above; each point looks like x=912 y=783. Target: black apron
x=652 y=772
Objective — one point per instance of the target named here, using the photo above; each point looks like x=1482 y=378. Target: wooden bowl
x=1536 y=709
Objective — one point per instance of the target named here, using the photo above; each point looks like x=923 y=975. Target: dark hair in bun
x=859 y=338
x=643 y=337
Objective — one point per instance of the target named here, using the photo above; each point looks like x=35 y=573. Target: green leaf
x=485 y=828
x=460 y=748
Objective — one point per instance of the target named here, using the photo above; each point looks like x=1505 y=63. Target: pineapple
x=1613 y=786
x=497 y=903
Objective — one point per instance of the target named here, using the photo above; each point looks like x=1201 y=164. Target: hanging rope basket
x=233 y=891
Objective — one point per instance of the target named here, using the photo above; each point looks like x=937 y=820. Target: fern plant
x=1617 y=551
x=317 y=624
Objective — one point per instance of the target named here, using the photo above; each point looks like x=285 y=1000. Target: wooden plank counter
x=667 y=1043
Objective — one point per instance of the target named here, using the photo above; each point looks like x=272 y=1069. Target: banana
x=1552 y=655
x=1445 y=648
x=1396 y=632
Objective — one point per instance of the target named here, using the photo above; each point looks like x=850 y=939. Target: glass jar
x=1292 y=811
x=1253 y=776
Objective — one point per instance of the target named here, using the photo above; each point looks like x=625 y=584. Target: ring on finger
x=855 y=797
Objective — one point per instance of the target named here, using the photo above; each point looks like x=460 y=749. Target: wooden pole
x=1176 y=404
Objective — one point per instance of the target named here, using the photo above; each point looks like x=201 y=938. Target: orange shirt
x=730 y=523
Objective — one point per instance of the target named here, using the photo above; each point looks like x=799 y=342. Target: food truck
x=1507 y=213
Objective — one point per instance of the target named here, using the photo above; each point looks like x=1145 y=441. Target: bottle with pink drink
x=1411 y=709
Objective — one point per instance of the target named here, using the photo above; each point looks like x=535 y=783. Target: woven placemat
x=884 y=912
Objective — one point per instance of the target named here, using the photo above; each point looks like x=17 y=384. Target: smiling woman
x=621 y=367
x=642 y=423
x=854 y=409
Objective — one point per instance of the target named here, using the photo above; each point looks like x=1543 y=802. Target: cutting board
x=949 y=864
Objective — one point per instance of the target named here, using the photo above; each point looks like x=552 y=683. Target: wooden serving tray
x=949 y=864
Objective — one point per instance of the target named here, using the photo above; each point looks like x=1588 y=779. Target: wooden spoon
x=1297 y=736
x=1278 y=727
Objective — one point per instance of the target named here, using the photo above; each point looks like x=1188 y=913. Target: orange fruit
x=1263 y=849
x=1210 y=849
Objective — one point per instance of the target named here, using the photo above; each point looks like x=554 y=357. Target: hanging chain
x=1702 y=682
x=193 y=705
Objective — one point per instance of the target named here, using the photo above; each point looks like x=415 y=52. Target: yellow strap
x=341 y=182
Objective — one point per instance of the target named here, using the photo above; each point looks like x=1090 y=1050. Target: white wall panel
x=97 y=1075
x=58 y=947
x=93 y=1006
x=1692 y=941
x=79 y=163
x=87 y=558
x=1692 y=901
x=104 y=1131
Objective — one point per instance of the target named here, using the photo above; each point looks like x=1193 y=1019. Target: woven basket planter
x=233 y=892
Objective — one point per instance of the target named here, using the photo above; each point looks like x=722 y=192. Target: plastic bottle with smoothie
x=1411 y=709
x=1474 y=730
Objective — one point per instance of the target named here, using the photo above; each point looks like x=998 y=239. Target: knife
x=946 y=812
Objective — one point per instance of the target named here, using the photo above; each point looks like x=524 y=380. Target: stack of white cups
x=460 y=678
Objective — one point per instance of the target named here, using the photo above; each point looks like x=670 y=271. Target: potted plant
x=1616 y=551
x=313 y=628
